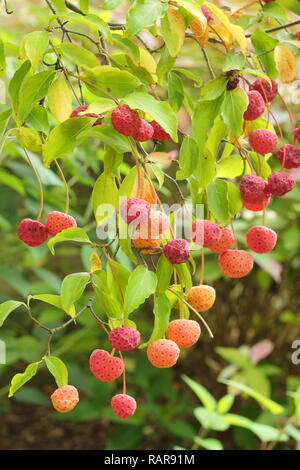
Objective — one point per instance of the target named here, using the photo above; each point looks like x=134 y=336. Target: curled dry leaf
x=160 y=157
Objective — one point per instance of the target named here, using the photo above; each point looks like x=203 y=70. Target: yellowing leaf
x=285 y=63
x=147 y=61
x=200 y=34
x=172 y=28
x=29 y=138
x=60 y=99
x=160 y=157
x=95 y=262
x=219 y=31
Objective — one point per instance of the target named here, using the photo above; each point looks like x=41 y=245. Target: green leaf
x=164 y=273
x=77 y=54
x=263 y=42
x=2 y=58
x=172 y=28
x=58 y=369
x=159 y=110
x=12 y=181
x=60 y=99
x=292 y=5
x=233 y=107
x=175 y=91
x=93 y=21
x=210 y=419
x=188 y=158
x=184 y=274
x=16 y=82
x=84 y=6
x=264 y=432
x=54 y=300
x=218 y=201
x=162 y=311
x=101 y=105
x=29 y=139
x=203 y=120
x=117 y=82
x=19 y=380
x=34 y=45
x=116 y=270
x=134 y=297
x=202 y=393
x=38 y=119
x=109 y=136
x=72 y=288
x=225 y=403
x=234 y=199
x=233 y=61
x=69 y=234
x=62 y=139
x=213 y=89
x=230 y=167
x=234 y=356
x=143 y=14
x=6 y=308
x=104 y=198
x=209 y=443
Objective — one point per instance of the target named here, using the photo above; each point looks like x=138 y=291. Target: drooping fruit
x=235 y=263
x=163 y=353
x=65 y=398
x=225 y=242
x=261 y=239
x=124 y=338
x=123 y=405
x=104 y=366
x=32 y=232
x=185 y=333
x=201 y=298
x=206 y=233
x=177 y=251
x=57 y=221
x=135 y=211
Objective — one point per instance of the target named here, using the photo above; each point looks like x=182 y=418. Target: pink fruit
x=261 y=239
x=158 y=132
x=163 y=353
x=124 y=338
x=143 y=131
x=225 y=242
x=289 y=156
x=135 y=211
x=235 y=263
x=280 y=183
x=32 y=232
x=123 y=405
x=184 y=333
x=268 y=91
x=256 y=106
x=256 y=207
x=263 y=141
x=157 y=224
x=104 y=366
x=297 y=130
x=205 y=233
x=79 y=112
x=125 y=120
x=57 y=221
x=206 y=13
x=65 y=398
x=252 y=189
x=177 y=251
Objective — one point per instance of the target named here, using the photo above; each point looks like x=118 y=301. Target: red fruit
x=125 y=338
x=158 y=132
x=104 y=366
x=125 y=120
x=206 y=13
x=280 y=183
x=235 y=263
x=258 y=206
x=177 y=251
x=252 y=189
x=32 y=232
x=123 y=405
x=256 y=106
x=268 y=91
x=65 y=398
x=261 y=239
x=263 y=141
x=298 y=35
x=78 y=112
x=135 y=211
x=297 y=130
x=143 y=131
x=57 y=221
x=289 y=156
x=163 y=353
x=206 y=233
x=225 y=242
x=184 y=333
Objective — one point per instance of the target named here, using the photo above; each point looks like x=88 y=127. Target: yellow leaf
x=95 y=262
x=147 y=62
x=221 y=32
x=285 y=63
x=160 y=157
x=60 y=99
x=29 y=138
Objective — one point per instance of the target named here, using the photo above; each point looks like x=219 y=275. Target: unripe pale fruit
x=185 y=333
x=145 y=245
x=261 y=239
x=201 y=298
x=163 y=353
x=263 y=141
x=226 y=241
x=65 y=398
x=236 y=263
x=32 y=232
x=135 y=211
x=123 y=405
x=57 y=221
x=280 y=183
x=124 y=338
x=289 y=156
x=268 y=91
x=256 y=106
x=177 y=251
x=205 y=233
x=104 y=366
x=252 y=189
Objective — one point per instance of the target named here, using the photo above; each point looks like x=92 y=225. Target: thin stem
x=202 y=267
x=85 y=80
x=124 y=373
x=113 y=271
x=234 y=235
x=101 y=322
x=66 y=186
x=212 y=73
x=39 y=183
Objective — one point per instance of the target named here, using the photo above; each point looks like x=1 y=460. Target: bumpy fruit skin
x=65 y=398
x=263 y=141
x=280 y=183
x=289 y=156
x=268 y=91
x=297 y=130
x=123 y=405
x=235 y=263
x=32 y=232
x=261 y=239
x=104 y=366
x=77 y=112
x=252 y=189
x=157 y=224
x=185 y=333
x=163 y=353
x=144 y=131
x=206 y=233
x=256 y=207
x=206 y=13
x=135 y=211
x=158 y=132
x=124 y=338
x=201 y=298
x=57 y=221
x=125 y=120
x=256 y=106
x=143 y=244
x=177 y=251
x=225 y=242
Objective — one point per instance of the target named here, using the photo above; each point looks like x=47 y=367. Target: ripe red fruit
x=163 y=353
x=57 y=221
x=297 y=130
x=289 y=156
x=206 y=13
x=280 y=183
x=256 y=106
x=184 y=333
x=263 y=141
x=261 y=239
x=201 y=297
x=298 y=35
x=104 y=366
x=252 y=189
x=32 y=232
x=206 y=233
x=143 y=131
x=225 y=242
x=125 y=120
x=268 y=91
x=158 y=132
x=135 y=211
x=79 y=112
x=65 y=398
x=256 y=207
x=123 y=405
x=177 y=251
x=235 y=263
x=124 y=338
